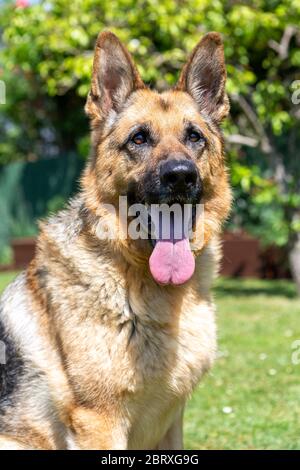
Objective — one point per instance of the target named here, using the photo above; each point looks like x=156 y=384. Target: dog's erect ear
x=114 y=77
x=204 y=77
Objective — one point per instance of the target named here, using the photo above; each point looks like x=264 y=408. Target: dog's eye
x=139 y=138
x=194 y=136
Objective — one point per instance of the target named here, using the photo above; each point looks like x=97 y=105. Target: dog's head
x=160 y=148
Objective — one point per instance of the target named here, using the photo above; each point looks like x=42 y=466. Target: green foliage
x=30 y=191
x=46 y=62
x=259 y=206
x=55 y=204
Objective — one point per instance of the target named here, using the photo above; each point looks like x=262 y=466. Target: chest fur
x=137 y=336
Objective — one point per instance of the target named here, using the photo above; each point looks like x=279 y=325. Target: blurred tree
x=45 y=61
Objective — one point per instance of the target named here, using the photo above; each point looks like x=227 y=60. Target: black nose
x=178 y=174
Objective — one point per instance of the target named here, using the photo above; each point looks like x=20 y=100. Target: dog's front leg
x=173 y=439
x=10 y=443
x=90 y=430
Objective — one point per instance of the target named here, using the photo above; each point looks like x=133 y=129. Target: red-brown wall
x=243 y=256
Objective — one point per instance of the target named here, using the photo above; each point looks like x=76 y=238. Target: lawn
x=6 y=278
x=251 y=399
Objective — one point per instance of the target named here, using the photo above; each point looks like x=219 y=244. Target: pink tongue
x=172 y=262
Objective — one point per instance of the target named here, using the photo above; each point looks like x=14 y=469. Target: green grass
x=254 y=379
x=6 y=278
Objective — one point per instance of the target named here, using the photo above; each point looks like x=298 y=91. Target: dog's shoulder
x=33 y=386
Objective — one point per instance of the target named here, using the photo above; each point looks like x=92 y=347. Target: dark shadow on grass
x=248 y=288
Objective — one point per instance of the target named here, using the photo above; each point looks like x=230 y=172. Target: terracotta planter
x=275 y=263
x=241 y=256
x=6 y=268
x=23 y=251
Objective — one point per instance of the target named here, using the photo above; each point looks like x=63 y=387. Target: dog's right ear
x=114 y=77
x=204 y=77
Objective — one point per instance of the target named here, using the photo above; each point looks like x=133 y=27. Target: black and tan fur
x=98 y=355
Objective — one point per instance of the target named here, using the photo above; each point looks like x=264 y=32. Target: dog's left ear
x=114 y=77
x=204 y=77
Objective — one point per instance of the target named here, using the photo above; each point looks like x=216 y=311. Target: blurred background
x=46 y=50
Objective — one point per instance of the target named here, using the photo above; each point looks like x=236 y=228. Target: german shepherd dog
x=105 y=337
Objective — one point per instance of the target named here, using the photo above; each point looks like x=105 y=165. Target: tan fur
x=120 y=353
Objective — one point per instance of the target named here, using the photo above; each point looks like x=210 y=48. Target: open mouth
x=169 y=229
x=169 y=219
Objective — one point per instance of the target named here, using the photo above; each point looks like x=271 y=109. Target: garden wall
x=30 y=191
x=242 y=257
